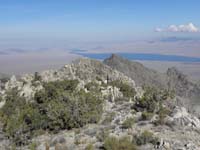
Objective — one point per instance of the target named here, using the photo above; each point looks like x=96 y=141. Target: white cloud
x=158 y=30
x=190 y=27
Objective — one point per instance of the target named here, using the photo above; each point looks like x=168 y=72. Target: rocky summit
x=88 y=104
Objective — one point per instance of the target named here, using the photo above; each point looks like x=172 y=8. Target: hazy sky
x=67 y=23
x=142 y=26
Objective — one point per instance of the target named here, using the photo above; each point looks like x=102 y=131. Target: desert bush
x=124 y=143
x=126 y=89
x=147 y=115
x=162 y=114
x=33 y=146
x=151 y=100
x=58 y=106
x=128 y=123
x=89 y=147
x=148 y=102
x=108 y=119
x=145 y=104
x=144 y=138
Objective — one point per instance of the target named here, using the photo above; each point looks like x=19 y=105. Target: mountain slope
x=173 y=80
x=139 y=73
x=89 y=105
x=185 y=88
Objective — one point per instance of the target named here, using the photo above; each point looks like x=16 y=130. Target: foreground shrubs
x=124 y=143
x=145 y=137
x=148 y=102
x=127 y=143
x=162 y=113
x=58 y=106
x=151 y=99
x=151 y=103
x=147 y=115
x=128 y=123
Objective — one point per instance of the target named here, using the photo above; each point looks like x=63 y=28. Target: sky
x=88 y=18
x=139 y=26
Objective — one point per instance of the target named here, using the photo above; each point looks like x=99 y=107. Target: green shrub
x=147 y=115
x=124 y=143
x=33 y=146
x=151 y=100
x=128 y=123
x=162 y=114
x=89 y=147
x=145 y=137
x=148 y=102
x=58 y=106
x=108 y=119
x=126 y=89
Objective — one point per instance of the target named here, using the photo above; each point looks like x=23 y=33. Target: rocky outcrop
x=85 y=70
x=185 y=88
x=24 y=85
x=181 y=118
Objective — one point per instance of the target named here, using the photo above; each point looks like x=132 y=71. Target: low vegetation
x=144 y=138
x=124 y=143
x=128 y=123
x=108 y=119
x=149 y=101
x=162 y=113
x=89 y=147
x=147 y=115
x=152 y=103
x=126 y=89
x=58 y=106
x=127 y=143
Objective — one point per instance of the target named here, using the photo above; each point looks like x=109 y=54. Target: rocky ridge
x=173 y=79
x=180 y=130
